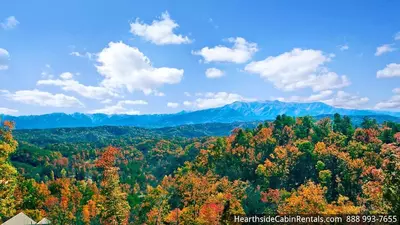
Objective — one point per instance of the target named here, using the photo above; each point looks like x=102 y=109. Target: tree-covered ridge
x=290 y=165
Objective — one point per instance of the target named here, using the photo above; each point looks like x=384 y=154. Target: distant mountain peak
x=238 y=111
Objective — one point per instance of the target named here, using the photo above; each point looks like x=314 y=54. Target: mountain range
x=234 y=112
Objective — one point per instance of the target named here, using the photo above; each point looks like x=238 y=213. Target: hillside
x=107 y=133
x=286 y=166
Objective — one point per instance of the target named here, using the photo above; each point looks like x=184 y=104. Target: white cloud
x=345 y=100
x=172 y=104
x=298 y=69
x=392 y=103
x=9 y=23
x=340 y=99
x=124 y=66
x=397 y=36
x=344 y=47
x=384 y=49
x=312 y=98
x=7 y=111
x=214 y=73
x=154 y=93
x=83 y=55
x=4 y=57
x=120 y=108
x=187 y=103
x=66 y=76
x=320 y=96
x=36 y=97
x=212 y=100
x=133 y=102
x=241 y=52
x=187 y=94
x=391 y=70
x=160 y=32
x=68 y=84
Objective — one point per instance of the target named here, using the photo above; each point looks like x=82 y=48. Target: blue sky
x=140 y=57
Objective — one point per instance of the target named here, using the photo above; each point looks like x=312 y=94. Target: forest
x=111 y=175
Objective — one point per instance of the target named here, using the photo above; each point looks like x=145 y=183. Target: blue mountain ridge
x=234 y=112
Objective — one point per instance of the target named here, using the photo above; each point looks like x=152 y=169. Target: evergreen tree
x=368 y=123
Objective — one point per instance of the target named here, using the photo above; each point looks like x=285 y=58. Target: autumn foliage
x=286 y=166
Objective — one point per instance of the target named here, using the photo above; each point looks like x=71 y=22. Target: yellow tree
x=8 y=174
x=114 y=208
x=308 y=199
x=190 y=197
x=278 y=165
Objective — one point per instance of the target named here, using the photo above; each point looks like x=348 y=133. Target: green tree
x=303 y=127
x=369 y=123
x=321 y=129
x=343 y=125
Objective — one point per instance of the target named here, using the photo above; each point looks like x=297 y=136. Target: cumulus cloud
x=159 y=32
x=7 y=111
x=4 y=57
x=123 y=68
x=9 y=23
x=172 y=104
x=214 y=73
x=66 y=76
x=346 y=100
x=67 y=83
x=312 y=98
x=241 y=51
x=126 y=67
x=392 y=103
x=187 y=103
x=341 y=99
x=133 y=102
x=391 y=70
x=120 y=108
x=320 y=96
x=384 y=49
x=36 y=97
x=212 y=100
x=298 y=69
x=187 y=94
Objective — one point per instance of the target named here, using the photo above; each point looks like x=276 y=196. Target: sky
x=148 y=57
